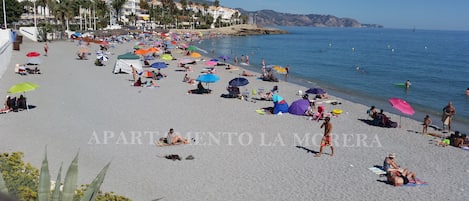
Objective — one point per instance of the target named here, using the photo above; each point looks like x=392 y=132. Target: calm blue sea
x=436 y=63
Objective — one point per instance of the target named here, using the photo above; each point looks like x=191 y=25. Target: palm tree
x=117 y=6
x=63 y=12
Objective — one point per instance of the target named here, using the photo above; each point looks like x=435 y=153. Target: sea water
x=364 y=65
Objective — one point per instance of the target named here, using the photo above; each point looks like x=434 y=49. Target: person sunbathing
x=188 y=79
x=266 y=96
x=138 y=83
x=150 y=83
x=398 y=179
x=244 y=73
x=175 y=139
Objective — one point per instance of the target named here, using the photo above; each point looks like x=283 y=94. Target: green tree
x=216 y=3
x=117 y=6
x=63 y=12
x=13 y=11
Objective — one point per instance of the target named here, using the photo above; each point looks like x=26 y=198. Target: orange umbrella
x=141 y=52
x=152 y=49
x=195 y=55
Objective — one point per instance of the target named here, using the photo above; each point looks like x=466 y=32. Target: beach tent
x=299 y=107
x=280 y=105
x=124 y=61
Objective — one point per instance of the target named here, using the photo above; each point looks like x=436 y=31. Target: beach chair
x=233 y=92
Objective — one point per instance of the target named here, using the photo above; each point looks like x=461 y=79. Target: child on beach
x=326 y=140
x=426 y=122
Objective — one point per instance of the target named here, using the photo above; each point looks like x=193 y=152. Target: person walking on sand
x=46 y=49
x=134 y=73
x=326 y=139
x=426 y=122
x=287 y=69
x=448 y=112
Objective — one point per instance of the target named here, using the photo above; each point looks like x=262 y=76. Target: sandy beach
x=239 y=154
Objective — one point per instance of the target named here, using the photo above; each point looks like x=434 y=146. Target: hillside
x=270 y=17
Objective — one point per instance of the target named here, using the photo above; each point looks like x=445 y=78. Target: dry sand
x=239 y=154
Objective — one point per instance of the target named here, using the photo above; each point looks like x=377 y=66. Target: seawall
x=5 y=50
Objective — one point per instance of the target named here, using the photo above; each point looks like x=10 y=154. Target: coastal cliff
x=239 y=30
x=270 y=18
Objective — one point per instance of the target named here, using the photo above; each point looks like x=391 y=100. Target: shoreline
x=82 y=101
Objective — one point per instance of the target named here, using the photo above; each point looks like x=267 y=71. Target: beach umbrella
x=149 y=57
x=137 y=47
x=299 y=107
x=152 y=49
x=191 y=48
x=22 y=88
x=139 y=43
x=186 y=61
x=238 y=82
x=224 y=57
x=195 y=55
x=166 y=57
x=211 y=63
x=315 y=91
x=140 y=52
x=105 y=43
x=34 y=61
x=208 y=78
x=159 y=65
x=213 y=59
x=33 y=54
x=402 y=106
x=102 y=57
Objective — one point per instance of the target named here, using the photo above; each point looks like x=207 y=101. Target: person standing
x=407 y=84
x=263 y=62
x=426 y=122
x=326 y=139
x=287 y=69
x=448 y=112
x=46 y=49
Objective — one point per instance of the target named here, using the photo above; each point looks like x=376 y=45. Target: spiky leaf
x=70 y=183
x=43 y=191
x=56 y=194
x=3 y=186
x=93 y=189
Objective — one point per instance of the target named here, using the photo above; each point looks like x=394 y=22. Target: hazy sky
x=421 y=14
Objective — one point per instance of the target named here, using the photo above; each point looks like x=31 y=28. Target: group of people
x=380 y=119
x=23 y=70
x=396 y=175
x=14 y=104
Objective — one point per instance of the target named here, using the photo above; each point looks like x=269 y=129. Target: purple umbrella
x=299 y=107
x=315 y=91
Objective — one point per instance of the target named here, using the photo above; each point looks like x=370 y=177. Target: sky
x=421 y=14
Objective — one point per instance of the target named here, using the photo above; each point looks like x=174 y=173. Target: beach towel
x=260 y=111
x=377 y=171
x=421 y=183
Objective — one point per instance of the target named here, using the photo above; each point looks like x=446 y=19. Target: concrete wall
x=5 y=50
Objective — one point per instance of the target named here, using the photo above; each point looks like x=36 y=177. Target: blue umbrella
x=149 y=57
x=34 y=61
x=159 y=65
x=208 y=78
x=224 y=57
x=239 y=81
x=315 y=91
x=213 y=59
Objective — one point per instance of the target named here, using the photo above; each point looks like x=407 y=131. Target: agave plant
x=69 y=186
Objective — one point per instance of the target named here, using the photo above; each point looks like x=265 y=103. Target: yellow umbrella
x=195 y=55
x=166 y=57
x=23 y=87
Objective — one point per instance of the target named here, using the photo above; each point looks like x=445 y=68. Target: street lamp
x=4 y=15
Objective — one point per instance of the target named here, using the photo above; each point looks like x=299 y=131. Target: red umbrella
x=33 y=54
x=402 y=106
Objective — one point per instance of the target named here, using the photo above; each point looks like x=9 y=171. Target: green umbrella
x=166 y=57
x=192 y=48
x=22 y=87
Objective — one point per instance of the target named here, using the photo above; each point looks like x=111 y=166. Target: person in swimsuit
x=398 y=179
x=447 y=116
x=326 y=140
x=175 y=139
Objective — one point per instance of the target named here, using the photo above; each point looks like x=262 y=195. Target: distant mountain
x=270 y=17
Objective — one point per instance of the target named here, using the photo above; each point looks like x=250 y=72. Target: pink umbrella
x=211 y=63
x=402 y=106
